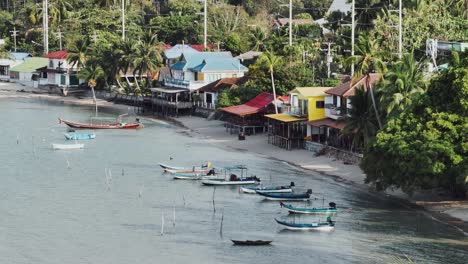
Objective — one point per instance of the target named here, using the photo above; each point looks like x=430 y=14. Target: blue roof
x=20 y=55
x=228 y=64
x=209 y=61
x=177 y=50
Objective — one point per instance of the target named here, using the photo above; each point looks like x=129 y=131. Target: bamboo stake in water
x=183 y=198
x=214 y=206
x=162 y=224
x=17 y=139
x=173 y=220
x=221 y=227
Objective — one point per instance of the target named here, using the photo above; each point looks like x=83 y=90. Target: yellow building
x=288 y=129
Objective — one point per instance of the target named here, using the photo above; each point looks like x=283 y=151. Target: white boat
x=245 y=181
x=229 y=178
x=167 y=167
x=193 y=169
x=261 y=189
x=67 y=146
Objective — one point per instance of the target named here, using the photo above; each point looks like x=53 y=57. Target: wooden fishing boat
x=237 y=181
x=286 y=196
x=67 y=146
x=116 y=125
x=167 y=167
x=251 y=242
x=204 y=169
x=276 y=189
x=75 y=136
x=322 y=226
x=308 y=210
x=229 y=178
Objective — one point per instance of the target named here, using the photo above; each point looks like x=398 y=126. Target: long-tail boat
x=116 y=125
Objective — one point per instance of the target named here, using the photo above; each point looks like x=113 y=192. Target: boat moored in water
x=75 y=136
x=310 y=210
x=276 y=189
x=251 y=242
x=114 y=125
x=67 y=146
x=286 y=196
x=322 y=226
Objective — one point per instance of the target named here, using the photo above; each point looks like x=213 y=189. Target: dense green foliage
x=426 y=145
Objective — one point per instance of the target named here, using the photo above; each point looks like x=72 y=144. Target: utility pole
x=400 y=37
x=59 y=35
x=123 y=19
x=45 y=22
x=14 y=35
x=329 y=59
x=204 y=24
x=290 y=22
x=352 y=35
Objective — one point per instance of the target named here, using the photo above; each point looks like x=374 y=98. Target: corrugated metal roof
x=191 y=60
x=220 y=64
x=21 y=55
x=31 y=65
x=253 y=106
x=285 y=118
x=225 y=83
x=177 y=50
x=347 y=90
x=61 y=54
x=326 y=122
x=306 y=92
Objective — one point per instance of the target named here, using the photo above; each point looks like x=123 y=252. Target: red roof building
x=200 y=47
x=59 y=55
x=259 y=103
x=249 y=117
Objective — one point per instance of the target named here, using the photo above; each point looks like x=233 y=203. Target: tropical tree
x=146 y=57
x=77 y=50
x=360 y=121
x=271 y=61
x=367 y=61
x=404 y=83
x=258 y=37
x=92 y=74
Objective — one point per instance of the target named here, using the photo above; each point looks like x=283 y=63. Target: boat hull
x=265 y=190
x=201 y=171
x=304 y=210
x=79 y=136
x=101 y=126
x=67 y=146
x=167 y=167
x=226 y=182
x=251 y=242
x=285 y=196
x=320 y=226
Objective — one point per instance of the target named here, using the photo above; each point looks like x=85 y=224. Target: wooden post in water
x=162 y=224
x=221 y=226
x=214 y=207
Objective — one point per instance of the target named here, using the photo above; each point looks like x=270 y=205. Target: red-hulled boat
x=117 y=125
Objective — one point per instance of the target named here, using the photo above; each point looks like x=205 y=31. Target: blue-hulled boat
x=308 y=210
x=323 y=226
x=75 y=136
x=276 y=189
x=286 y=196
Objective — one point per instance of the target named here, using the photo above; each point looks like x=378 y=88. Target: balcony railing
x=333 y=109
x=176 y=83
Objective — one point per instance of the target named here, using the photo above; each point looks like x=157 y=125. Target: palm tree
x=360 y=122
x=147 y=56
x=92 y=74
x=77 y=52
x=403 y=84
x=272 y=61
x=258 y=37
x=127 y=49
x=366 y=62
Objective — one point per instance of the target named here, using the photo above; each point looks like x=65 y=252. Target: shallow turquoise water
x=59 y=206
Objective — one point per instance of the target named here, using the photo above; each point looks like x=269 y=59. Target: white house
x=6 y=64
x=60 y=73
x=30 y=72
x=195 y=70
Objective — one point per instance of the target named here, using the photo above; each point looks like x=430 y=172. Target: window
x=320 y=104
x=51 y=64
x=335 y=100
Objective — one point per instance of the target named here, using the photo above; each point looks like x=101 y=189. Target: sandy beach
x=454 y=213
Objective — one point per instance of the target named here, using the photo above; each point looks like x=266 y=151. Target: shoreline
x=452 y=212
